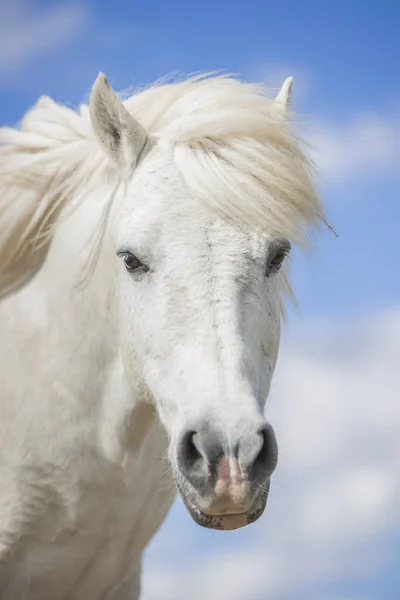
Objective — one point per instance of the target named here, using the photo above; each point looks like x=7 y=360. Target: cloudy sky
x=332 y=528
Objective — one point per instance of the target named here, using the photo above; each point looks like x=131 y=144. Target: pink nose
x=230 y=487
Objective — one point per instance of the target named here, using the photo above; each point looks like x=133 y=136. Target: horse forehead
x=171 y=228
x=215 y=248
x=161 y=203
x=161 y=211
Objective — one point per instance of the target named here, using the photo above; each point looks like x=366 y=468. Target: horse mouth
x=227 y=522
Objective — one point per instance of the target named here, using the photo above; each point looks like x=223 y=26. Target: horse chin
x=226 y=522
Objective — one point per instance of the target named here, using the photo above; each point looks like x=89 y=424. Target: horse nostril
x=189 y=453
x=199 y=453
x=189 y=447
x=267 y=457
x=193 y=459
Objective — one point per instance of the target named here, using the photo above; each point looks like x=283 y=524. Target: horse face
x=199 y=322
x=200 y=313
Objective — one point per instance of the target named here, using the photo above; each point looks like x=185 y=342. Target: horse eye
x=276 y=260
x=132 y=263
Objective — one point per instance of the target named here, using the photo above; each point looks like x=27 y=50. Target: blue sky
x=345 y=59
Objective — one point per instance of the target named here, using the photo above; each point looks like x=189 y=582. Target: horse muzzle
x=225 y=485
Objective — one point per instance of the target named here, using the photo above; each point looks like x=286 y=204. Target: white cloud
x=335 y=406
x=370 y=145
x=26 y=33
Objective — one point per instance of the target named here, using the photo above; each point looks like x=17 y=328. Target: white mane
x=230 y=143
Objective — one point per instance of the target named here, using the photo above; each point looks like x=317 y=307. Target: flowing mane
x=229 y=141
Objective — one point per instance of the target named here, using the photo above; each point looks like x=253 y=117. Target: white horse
x=140 y=271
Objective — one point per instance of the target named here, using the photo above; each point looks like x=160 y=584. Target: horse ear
x=121 y=135
x=284 y=96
